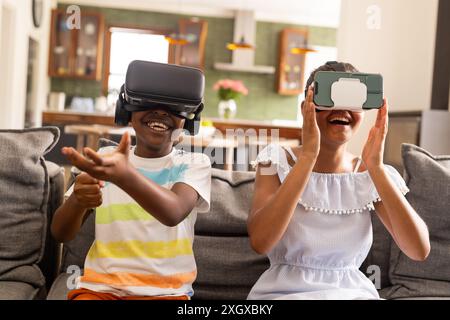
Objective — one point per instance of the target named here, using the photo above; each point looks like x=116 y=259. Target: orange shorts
x=86 y=294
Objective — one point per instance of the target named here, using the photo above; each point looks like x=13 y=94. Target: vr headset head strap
x=122 y=116
x=193 y=125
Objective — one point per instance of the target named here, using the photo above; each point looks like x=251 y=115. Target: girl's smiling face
x=338 y=126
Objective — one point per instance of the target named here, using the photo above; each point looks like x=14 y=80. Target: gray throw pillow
x=231 y=196
x=428 y=178
x=24 y=192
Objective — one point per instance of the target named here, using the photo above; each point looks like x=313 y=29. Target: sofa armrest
x=53 y=169
x=49 y=264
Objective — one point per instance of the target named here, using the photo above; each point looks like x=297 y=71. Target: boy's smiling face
x=154 y=129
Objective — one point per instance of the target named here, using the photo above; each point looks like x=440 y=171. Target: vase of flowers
x=229 y=91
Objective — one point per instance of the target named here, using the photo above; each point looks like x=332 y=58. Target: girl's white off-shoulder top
x=328 y=237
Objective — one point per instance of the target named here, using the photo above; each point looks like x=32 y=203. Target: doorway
x=32 y=66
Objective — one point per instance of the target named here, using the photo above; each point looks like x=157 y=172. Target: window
x=127 y=45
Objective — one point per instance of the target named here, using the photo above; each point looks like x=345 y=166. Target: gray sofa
x=227 y=266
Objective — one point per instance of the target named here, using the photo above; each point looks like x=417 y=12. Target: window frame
x=132 y=29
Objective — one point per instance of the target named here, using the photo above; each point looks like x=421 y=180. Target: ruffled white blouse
x=327 y=239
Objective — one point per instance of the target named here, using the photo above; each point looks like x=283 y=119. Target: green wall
x=262 y=102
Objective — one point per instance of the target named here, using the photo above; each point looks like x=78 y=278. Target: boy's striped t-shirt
x=133 y=253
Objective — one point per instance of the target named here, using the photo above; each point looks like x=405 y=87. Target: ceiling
x=308 y=12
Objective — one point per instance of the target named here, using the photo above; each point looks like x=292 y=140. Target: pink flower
x=225 y=84
x=234 y=85
x=238 y=86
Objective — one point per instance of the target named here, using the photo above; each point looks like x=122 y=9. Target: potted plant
x=229 y=91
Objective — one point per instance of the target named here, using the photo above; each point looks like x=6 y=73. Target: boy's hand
x=310 y=131
x=374 y=148
x=113 y=167
x=87 y=191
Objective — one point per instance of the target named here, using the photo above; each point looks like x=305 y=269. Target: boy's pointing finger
x=77 y=159
x=94 y=156
x=124 y=145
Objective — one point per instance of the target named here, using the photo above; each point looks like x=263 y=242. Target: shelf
x=250 y=69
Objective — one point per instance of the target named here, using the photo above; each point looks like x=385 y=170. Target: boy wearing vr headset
x=146 y=196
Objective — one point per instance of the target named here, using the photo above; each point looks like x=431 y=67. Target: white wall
x=13 y=80
x=402 y=50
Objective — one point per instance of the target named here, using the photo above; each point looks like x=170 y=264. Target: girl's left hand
x=373 y=151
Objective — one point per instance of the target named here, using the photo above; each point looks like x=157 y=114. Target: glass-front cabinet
x=192 y=52
x=291 y=69
x=76 y=50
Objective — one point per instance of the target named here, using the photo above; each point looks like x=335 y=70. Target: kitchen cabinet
x=192 y=53
x=76 y=52
x=293 y=48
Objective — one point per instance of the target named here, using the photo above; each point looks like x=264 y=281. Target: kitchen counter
x=71 y=117
x=287 y=129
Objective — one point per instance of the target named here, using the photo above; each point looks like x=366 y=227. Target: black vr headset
x=151 y=85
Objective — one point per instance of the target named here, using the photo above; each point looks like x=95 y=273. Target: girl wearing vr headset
x=311 y=207
x=146 y=199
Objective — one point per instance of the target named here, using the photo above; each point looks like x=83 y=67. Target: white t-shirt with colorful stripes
x=135 y=254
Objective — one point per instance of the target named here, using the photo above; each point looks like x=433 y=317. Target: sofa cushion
x=14 y=290
x=59 y=289
x=50 y=259
x=24 y=193
x=231 y=195
x=424 y=298
x=75 y=251
x=428 y=178
x=379 y=254
x=227 y=265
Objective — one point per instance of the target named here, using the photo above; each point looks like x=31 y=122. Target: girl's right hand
x=310 y=130
x=87 y=191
